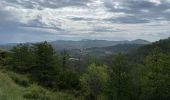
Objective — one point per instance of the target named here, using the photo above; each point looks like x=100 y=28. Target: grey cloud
x=8 y=22
x=141 y=11
x=104 y=30
x=37 y=23
x=82 y=19
x=31 y=4
x=128 y=20
x=135 y=6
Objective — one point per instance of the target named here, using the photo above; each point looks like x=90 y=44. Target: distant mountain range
x=96 y=48
x=82 y=44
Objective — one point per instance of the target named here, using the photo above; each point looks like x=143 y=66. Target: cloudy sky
x=38 y=20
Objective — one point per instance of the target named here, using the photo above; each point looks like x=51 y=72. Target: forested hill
x=143 y=51
x=86 y=43
x=105 y=51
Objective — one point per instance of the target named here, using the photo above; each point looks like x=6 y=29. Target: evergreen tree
x=22 y=58
x=45 y=70
x=65 y=57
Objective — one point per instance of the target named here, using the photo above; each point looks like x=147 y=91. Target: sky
x=39 y=20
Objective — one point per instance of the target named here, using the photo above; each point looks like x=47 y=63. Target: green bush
x=19 y=79
x=35 y=92
x=69 y=80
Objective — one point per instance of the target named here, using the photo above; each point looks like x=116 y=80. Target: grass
x=10 y=90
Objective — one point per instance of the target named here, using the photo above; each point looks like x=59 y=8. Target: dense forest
x=38 y=72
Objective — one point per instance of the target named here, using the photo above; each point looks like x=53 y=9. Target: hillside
x=143 y=51
x=82 y=44
x=105 y=51
x=8 y=89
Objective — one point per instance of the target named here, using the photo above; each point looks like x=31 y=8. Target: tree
x=68 y=80
x=156 y=76
x=65 y=57
x=119 y=83
x=21 y=58
x=93 y=82
x=43 y=66
x=45 y=70
x=4 y=57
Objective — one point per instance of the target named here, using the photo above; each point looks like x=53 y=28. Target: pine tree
x=65 y=57
x=45 y=70
x=21 y=58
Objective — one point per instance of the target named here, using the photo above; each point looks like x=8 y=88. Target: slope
x=143 y=51
x=8 y=89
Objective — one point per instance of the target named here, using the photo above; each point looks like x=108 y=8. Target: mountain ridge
x=81 y=44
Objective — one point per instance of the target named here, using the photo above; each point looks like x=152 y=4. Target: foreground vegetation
x=36 y=72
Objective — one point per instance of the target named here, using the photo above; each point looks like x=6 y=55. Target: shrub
x=19 y=79
x=35 y=92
